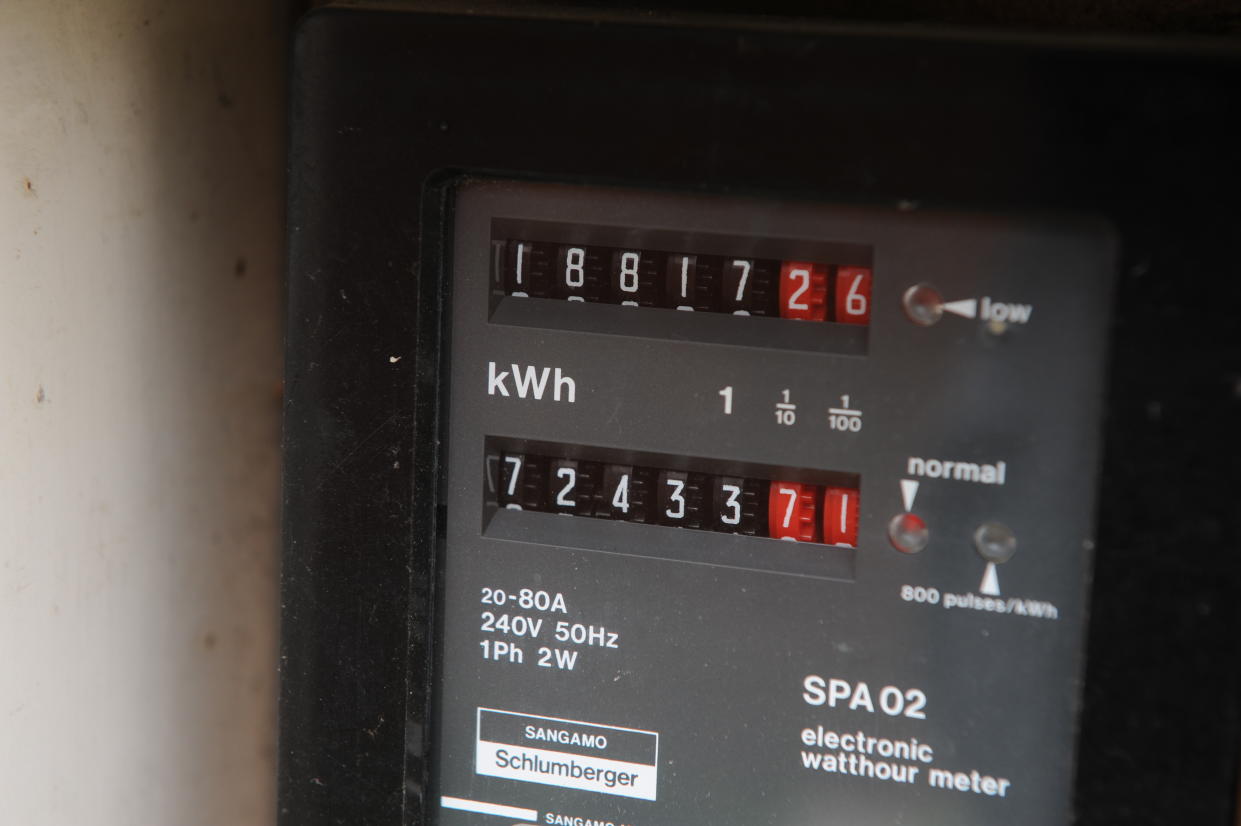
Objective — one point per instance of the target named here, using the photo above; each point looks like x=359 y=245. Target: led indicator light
x=908 y=533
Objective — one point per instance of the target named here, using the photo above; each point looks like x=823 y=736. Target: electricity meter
x=703 y=423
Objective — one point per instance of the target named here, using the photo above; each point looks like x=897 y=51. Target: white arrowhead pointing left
x=990 y=582
x=909 y=489
x=967 y=307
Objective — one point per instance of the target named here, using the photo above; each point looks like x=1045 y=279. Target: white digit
x=520 y=248
x=791 y=493
x=684 y=276
x=734 y=495
x=916 y=699
x=804 y=276
x=855 y=302
x=512 y=479
x=574 y=267
x=891 y=700
x=629 y=272
x=745 y=274
x=677 y=498
x=727 y=393
x=621 y=499
x=844 y=510
x=562 y=498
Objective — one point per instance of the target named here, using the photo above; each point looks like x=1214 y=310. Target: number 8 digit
x=629 y=272
x=574 y=267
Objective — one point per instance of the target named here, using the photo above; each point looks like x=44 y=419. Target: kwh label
x=530 y=382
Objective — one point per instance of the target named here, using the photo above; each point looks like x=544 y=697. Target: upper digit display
x=687 y=279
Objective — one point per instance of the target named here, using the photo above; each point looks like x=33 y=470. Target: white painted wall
x=141 y=187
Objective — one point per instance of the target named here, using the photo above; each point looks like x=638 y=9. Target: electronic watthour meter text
x=708 y=425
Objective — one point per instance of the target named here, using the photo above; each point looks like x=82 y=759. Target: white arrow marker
x=990 y=582
x=909 y=489
x=966 y=307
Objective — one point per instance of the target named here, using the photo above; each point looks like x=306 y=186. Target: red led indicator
x=803 y=291
x=840 y=516
x=792 y=511
x=853 y=295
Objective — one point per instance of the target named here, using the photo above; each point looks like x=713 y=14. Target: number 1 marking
x=727 y=393
x=520 y=247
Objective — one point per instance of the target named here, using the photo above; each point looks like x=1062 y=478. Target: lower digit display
x=745 y=505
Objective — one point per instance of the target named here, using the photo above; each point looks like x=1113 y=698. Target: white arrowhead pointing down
x=990 y=582
x=967 y=307
x=909 y=489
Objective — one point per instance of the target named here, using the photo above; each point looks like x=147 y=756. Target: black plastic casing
x=388 y=108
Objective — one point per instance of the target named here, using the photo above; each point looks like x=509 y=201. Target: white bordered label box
x=567 y=753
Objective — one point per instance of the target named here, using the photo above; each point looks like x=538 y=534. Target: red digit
x=853 y=295
x=803 y=291
x=840 y=516
x=792 y=511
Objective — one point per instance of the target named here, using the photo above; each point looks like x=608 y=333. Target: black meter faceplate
x=390 y=109
x=603 y=659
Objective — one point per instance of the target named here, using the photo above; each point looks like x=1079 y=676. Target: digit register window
x=676 y=276
x=738 y=495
